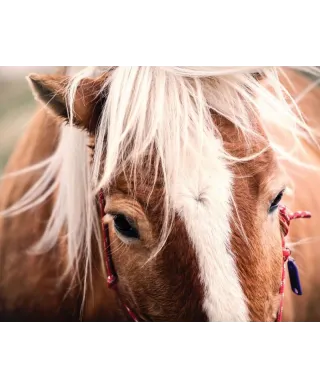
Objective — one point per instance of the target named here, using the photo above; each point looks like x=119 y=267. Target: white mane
x=166 y=109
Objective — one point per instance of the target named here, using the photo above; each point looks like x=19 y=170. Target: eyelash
x=276 y=202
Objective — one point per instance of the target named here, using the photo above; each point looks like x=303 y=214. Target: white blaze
x=202 y=198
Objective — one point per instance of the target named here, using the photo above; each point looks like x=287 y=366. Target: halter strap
x=285 y=220
x=112 y=278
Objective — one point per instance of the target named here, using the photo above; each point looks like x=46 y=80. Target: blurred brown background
x=16 y=106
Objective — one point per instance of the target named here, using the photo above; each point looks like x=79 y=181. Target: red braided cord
x=285 y=219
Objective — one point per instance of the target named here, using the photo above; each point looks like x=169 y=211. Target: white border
x=198 y=33
x=158 y=355
x=159 y=32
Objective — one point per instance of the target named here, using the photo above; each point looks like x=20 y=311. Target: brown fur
x=259 y=259
x=28 y=284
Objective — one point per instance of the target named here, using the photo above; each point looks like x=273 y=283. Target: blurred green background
x=16 y=106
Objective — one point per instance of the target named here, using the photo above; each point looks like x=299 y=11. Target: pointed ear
x=52 y=90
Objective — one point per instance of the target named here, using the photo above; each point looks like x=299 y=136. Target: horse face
x=222 y=259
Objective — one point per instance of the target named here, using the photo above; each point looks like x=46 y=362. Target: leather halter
x=285 y=219
x=112 y=278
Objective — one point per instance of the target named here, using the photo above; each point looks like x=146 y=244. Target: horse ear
x=52 y=91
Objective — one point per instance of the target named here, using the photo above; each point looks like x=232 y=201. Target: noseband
x=285 y=220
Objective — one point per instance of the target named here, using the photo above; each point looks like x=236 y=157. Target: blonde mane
x=166 y=109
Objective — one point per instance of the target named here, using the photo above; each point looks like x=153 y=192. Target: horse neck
x=29 y=284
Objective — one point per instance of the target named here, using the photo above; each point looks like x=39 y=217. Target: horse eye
x=275 y=203
x=125 y=227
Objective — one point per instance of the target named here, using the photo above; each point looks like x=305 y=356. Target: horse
x=163 y=194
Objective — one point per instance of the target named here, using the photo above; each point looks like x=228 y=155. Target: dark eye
x=276 y=202
x=125 y=226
